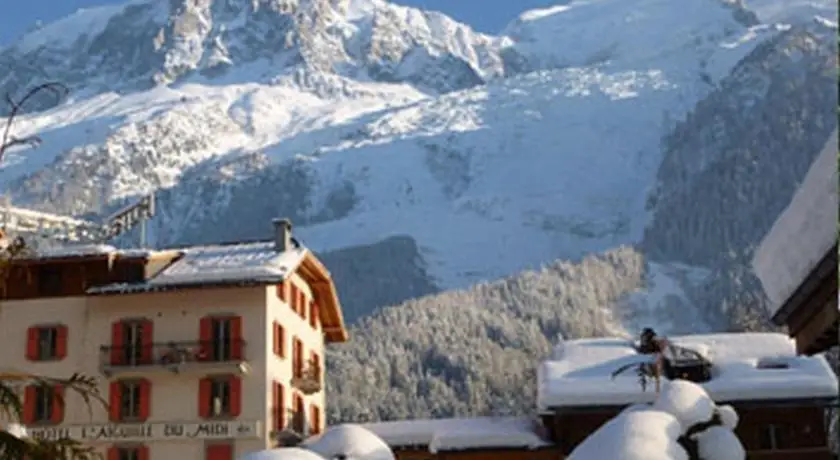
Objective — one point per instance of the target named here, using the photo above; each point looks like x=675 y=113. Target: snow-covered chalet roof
x=461 y=433
x=579 y=373
x=256 y=262
x=803 y=233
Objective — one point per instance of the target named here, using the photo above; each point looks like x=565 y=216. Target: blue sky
x=484 y=15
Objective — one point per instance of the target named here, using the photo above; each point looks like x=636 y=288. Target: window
x=220 y=397
x=130 y=400
x=299 y=415
x=279 y=340
x=131 y=342
x=128 y=453
x=315 y=366
x=297 y=358
x=301 y=311
x=313 y=314
x=773 y=437
x=221 y=338
x=281 y=291
x=133 y=345
x=43 y=404
x=315 y=419
x=49 y=280
x=278 y=396
x=46 y=343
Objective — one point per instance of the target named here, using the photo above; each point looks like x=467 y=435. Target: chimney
x=282 y=235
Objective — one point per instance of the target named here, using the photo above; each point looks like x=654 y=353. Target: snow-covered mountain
x=416 y=153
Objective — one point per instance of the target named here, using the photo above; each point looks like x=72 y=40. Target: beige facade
x=173 y=426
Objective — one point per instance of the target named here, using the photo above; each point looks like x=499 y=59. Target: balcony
x=308 y=378
x=297 y=428
x=174 y=357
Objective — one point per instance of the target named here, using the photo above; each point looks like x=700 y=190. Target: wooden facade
x=422 y=453
x=68 y=276
x=811 y=312
x=768 y=430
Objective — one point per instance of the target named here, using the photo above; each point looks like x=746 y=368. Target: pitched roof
x=804 y=233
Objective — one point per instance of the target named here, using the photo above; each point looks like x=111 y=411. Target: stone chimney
x=282 y=235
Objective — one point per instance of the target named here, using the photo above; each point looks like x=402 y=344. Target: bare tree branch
x=8 y=139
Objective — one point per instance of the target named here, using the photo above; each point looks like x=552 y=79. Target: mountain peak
x=144 y=43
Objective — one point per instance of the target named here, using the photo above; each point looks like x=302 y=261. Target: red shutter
x=302 y=304
x=145 y=399
x=29 y=396
x=114 y=400
x=293 y=296
x=113 y=453
x=278 y=406
x=236 y=337
x=117 y=343
x=204 y=390
x=235 y=396
x=143 y=452
x=146 y=341
x=61 y=341
x=281 y=341
x=281 y=291
x=275 y=333
x=314 y=317
x=32 y=344
x=316 y=365
x=297 y=357
x=57 y=415
x=314 y=419
x=205 y=334
x=218 y=452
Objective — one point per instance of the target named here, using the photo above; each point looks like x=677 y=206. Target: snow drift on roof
x=351 y=441
x=223 y=263
x=285 y=453
x=460 y=433
x=582 y=377
x=643 y=432
x=803 y=233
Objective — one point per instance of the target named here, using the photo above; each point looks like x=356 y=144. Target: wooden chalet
x=780 y=397
x=477 y=438
x=797 y=260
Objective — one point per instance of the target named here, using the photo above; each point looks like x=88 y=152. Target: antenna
x=65 y=229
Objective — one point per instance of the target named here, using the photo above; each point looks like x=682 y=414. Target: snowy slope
x=364 y=120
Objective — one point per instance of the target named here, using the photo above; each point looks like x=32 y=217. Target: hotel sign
x=140 y=432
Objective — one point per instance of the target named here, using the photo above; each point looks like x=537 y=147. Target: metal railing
x=172 y=353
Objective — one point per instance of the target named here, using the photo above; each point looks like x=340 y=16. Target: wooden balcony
x=309 y=379
x=174 y=357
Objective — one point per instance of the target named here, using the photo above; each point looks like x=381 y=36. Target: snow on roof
x=460 y=433
x=651 y=432
x=803 y=233
x=351 y=441
x=283 y=453
x=228 y=263
x=75 y=250
x=234 y=262
x=580 y=372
